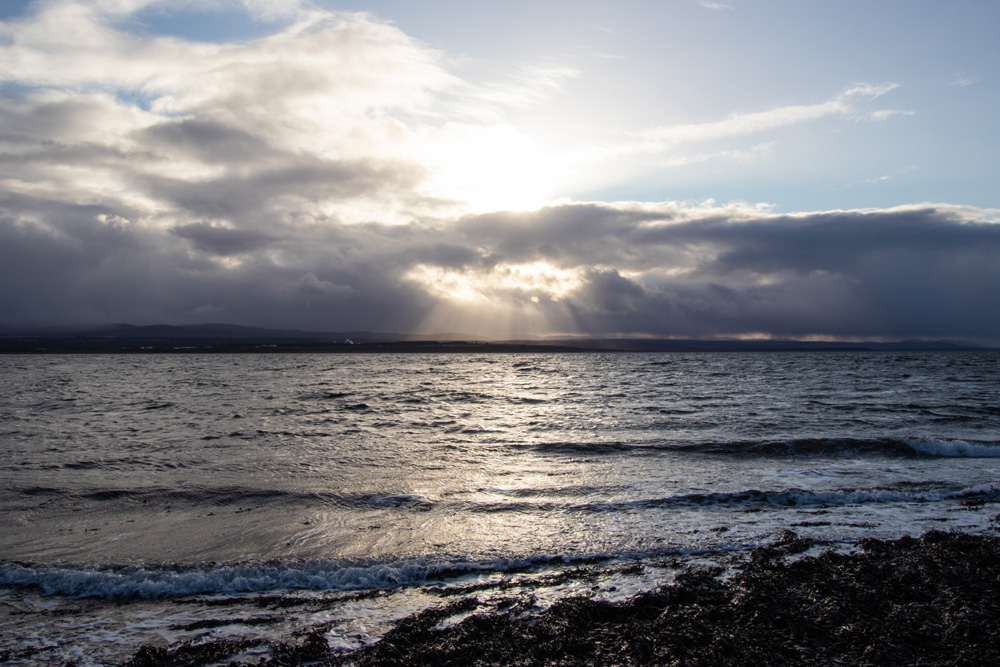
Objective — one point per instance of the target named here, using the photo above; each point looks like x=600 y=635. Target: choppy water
x=139 y=491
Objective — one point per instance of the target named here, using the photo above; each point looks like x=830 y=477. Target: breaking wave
x=319 y=575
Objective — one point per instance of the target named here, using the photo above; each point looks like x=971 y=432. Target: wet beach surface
x=931 y=600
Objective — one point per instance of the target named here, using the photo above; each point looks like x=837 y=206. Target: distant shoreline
x=173 y=347
x=36 y=346
x=222 y=338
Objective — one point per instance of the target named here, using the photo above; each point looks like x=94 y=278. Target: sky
x=684 y=168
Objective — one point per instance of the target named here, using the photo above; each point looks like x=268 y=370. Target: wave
x=807 y=498
x=558 y=500
x=244 y=497
x=600 y=447
x=862 y=446
x=318 y=575
x=912 y=448
x=757 y=499
x=956 y=448
x=122 y=582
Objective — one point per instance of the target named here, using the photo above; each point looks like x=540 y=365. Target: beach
x=928 y=601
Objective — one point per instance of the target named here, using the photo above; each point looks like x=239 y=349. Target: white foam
x=955 y=448
x=799 y=497
x=316 y=575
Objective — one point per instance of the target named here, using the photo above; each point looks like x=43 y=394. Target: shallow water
x=154 y=478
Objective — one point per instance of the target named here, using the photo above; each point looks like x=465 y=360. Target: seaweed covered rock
x=930 y=601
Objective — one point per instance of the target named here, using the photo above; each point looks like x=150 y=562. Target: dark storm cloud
x=88 y=271
x=829 y=241
x=910 y=272
x=579 y=232
x=919 y=272
x=219 y=240
x=607 y=292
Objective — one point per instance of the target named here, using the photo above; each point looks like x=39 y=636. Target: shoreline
x=191 y=340
x=916 y=601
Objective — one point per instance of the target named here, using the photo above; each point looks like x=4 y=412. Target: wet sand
x=933 y=600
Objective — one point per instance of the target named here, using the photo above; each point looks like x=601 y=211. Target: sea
x=174 y=499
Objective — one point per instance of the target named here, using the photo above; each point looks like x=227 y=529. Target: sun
x=489 y=168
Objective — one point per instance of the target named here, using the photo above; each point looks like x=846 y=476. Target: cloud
x=606 y=291
x=662 y=269
x=309 y=287
x=963 y=80
x=603 y=55
x=269 y=193
x=667 y=137
x=921 y=271
x=525 y=85
x=202 y=140
x=715 y=5
x=220 y=240
x=731 y=143
x=753 y=153
x=326 y=109
x=883 y=114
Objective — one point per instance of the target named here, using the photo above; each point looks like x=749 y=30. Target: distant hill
x=236 y=338
x=200 y=335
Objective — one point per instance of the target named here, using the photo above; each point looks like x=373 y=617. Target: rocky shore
x=933 y=600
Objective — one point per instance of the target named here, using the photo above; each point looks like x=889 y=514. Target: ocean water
x=161 y=499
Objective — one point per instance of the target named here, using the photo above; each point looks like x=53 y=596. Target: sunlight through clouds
x=327 y=169
x=517 y=282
